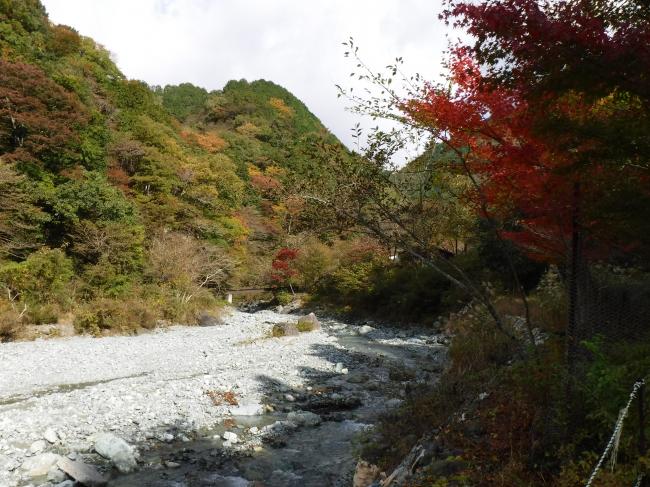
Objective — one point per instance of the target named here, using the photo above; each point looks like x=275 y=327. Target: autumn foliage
x=283 y=266
x=38 y=118
x=542 y=152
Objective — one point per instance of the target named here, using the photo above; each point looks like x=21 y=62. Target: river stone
x=365 y=329
x=230 y=436
x=66 y=483
x=55 y=475
x=82 y=473
x=357 y=378
x=39 y=465
x=208 y=319
x=251 y=409
x=50 y=435
x=117 y=451
x=304 y=418
x=220 y=481
x=38 y=446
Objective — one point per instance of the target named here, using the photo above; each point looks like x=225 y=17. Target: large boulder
x=284 y=330
x=308 y=323
x=117 y=451
x=82 y=473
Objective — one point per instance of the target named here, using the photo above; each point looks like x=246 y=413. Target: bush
x=105 y=315
x=43 y=277
x=9 y=322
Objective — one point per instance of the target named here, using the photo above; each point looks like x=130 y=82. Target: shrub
x=9 y=322
x=42 y=278
x=104 y=315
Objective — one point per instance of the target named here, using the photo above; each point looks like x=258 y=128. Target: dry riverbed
x=190 y=406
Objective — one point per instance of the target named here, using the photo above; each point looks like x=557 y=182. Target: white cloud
x=296 y=44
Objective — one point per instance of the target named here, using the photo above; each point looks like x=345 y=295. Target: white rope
x=616 y=433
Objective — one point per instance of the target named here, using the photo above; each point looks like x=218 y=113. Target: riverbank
x=202 y=404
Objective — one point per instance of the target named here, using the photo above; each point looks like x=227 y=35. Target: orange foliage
x=208 y=141
x=281 y=107
x=118 y=177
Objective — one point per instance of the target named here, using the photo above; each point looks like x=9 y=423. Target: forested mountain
x=103 y=177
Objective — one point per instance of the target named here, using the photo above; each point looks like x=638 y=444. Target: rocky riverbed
x=196 y=406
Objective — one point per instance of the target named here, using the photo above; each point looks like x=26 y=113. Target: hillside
x=105 y=178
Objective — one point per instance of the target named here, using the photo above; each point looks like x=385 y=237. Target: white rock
x=230 y=436
x=251 y=409
x=365 y=329
x=39 y=465
x=51 y=435
x=172 y=465
x=254 y=430
x=37 y=446
x=117 y=451
x=55 y=475
x=289 y=398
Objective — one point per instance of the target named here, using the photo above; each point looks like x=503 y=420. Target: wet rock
x=357 y=378
x=220 y=481
x=65 y=483
x=82 y=473
x=117 y=451
x=39 y=465
x=333 y=403
x=401 y=374
x=304 y=418
x=172 y=464
x=365 y=329
x=393 y=403
x=338 y=368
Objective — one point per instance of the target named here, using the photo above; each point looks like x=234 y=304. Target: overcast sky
x=295 y=43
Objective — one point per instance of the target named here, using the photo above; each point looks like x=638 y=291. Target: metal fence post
x=642 y=440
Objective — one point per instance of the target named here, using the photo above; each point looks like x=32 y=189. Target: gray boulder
x=117 y=451
x=304 y=418
x=82 y=473
x=208 y=319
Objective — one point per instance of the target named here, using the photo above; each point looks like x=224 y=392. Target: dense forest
x=521 y=230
